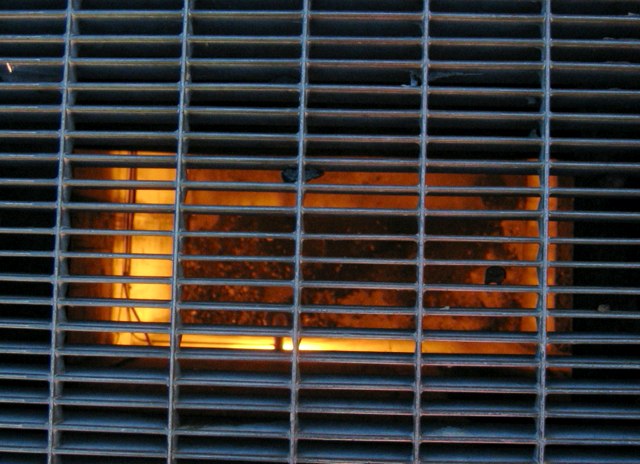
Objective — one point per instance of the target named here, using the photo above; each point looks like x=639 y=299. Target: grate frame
x=303 y=95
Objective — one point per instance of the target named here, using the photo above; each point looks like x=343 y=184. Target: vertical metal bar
x=297 y=289
x=174 y=339
x=544 y=231
x=424 y=138
x=58 y=268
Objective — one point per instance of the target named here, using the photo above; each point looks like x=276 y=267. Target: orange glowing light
x=150 y=256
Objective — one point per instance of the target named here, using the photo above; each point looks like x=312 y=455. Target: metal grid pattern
x=315 y=231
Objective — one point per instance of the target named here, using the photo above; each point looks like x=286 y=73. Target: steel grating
x=318 y=231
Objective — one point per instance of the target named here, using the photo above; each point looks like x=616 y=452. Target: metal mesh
x=315 y=231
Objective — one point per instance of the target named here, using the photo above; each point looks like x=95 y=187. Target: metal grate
x=314 y=231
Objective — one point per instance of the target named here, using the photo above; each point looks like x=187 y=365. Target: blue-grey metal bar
x=420 y=258
x=299 y=232
x=543 y=274
x=174 y=341
x=60 y=247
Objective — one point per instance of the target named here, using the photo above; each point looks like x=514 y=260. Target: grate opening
x=359 y=269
